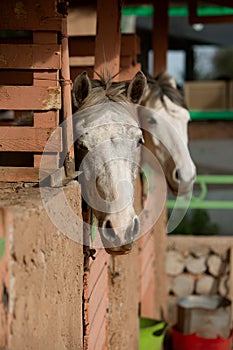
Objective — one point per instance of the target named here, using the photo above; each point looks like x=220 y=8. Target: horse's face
x=111 y=137
x=167 y=124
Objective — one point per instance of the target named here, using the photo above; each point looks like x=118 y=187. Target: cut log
x=200 y=251
x=175 y=263
x=206 y=285
x=215 y=265
x=223 y=288
x=183 y=285
x=196 y=265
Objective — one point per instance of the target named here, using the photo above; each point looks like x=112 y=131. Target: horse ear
x=81 y=88
x=172 y=82
x=136 y=87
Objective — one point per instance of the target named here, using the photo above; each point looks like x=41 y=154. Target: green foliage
x=2 y=247
x=197 y=223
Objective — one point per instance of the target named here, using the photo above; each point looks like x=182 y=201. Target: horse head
x=108 y=136
x=165 y=117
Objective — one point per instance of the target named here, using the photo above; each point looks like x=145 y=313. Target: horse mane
x=161 y=86
x=104 y=90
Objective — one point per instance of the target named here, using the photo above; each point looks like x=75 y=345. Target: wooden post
x=108 y=37
x=67 y=103
x=160 y=35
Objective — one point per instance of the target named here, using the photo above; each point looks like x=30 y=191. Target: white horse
x=108 y=138
x=164 y=119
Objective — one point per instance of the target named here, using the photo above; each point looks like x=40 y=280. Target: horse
x=166 y=116
x=108 y=137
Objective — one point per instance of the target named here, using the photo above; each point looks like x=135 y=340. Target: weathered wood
x=175 y=263
x=30 y=15
x=48 y=119
x=128 y=73
x=29 y=139
x=17 y=174
x=30 y=97
x=182 y=285
x=210 y=130
x=30 y=56
x=50 y=161
x=85 y=45
x=108 y=37
x=206 y=285
x=215 y=265
x=130 y=45
x=200 y=251
x=195 y=265
x=68 y=139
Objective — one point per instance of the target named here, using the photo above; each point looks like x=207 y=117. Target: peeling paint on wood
x=30 y=97
x=53 y=99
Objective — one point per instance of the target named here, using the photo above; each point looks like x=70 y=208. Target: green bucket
x=151 y=334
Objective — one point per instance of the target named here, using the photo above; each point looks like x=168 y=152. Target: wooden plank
x=48 y=119
x=160 y=35
x=128 y=73
x=130 y=45
x=68 y=141
x=30 y=15
x=52 y=161
x=108 y=37
x=29 y=139
x=74 y=71
x=30 y=56
x=17 y=174
x=30 y=97
x=210 y=130
x=85 y=45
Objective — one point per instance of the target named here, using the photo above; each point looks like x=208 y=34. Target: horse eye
x=140 y=141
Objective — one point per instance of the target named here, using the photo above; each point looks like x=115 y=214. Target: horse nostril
x=109 y=232
x=177 y=175
x=132 y=230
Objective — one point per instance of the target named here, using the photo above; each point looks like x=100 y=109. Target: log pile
x=197 y=270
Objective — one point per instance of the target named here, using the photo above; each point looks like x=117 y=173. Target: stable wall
x=41 y=274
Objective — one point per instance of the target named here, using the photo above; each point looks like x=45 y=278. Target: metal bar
x=199 y=202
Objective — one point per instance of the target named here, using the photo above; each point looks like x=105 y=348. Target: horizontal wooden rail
x=85 y=45
x=29 y=139
x=16 y=174
x=33 y=56
x=30 y=15
x=30 y=97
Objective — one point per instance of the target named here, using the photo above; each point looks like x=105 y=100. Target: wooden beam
x=108 y=37
x=29 y=139
x=30 y=56
x=16 y=174
x=160 y=35
x=30 y=97
x=210 y=130
x=68 y=139
x=194 y=18
x=30 y=15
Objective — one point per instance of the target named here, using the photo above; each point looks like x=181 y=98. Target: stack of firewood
x=198 y=270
